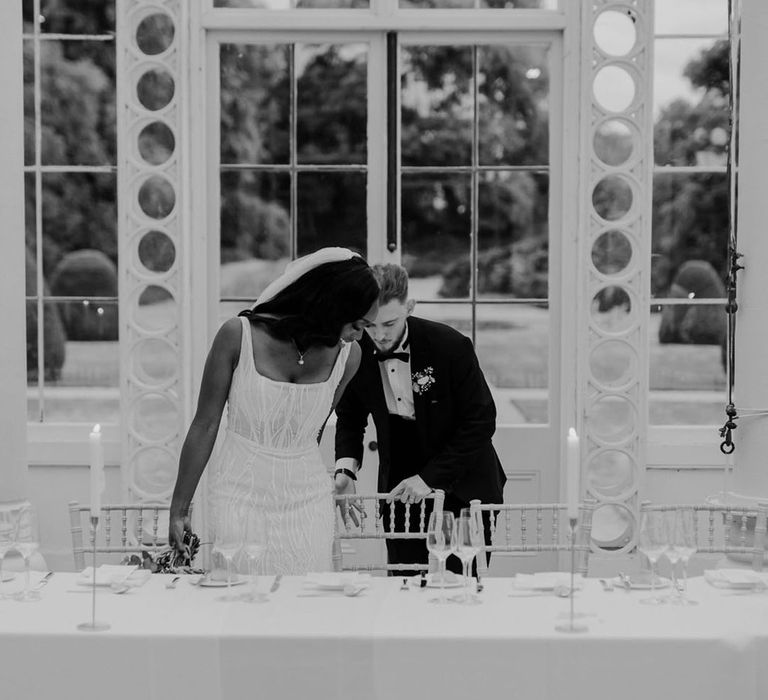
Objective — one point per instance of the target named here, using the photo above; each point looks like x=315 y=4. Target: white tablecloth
x=385 y=643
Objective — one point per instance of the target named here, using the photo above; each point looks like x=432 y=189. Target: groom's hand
x=355 y=511
x=410 y=490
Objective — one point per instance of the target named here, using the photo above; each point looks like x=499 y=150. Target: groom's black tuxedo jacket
x=455 y=416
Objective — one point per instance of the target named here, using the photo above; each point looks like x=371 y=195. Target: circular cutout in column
x=157 y=197
x=611 y=252
x=154 y=472
x=612 y=418
x=612 y=310
x=612 y=197
x=614 y=142
x=156 y=251
x=613 y=363
x=154 y=361
x=614 y=89
x=154 y=418
x=156 y=143
x=155 y=89
x=611 y=473
x=155 y=34
x=156 y=310
x=613 y=526
x=615 y=32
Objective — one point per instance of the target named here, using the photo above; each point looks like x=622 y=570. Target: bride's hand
x=177 y=526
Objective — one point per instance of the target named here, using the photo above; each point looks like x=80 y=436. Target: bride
x=281 y=366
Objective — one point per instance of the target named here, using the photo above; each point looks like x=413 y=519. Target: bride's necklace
x=300 y=360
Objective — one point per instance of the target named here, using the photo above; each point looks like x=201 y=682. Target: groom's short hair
x=393 y=282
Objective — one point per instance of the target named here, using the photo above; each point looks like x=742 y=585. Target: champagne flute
x=254 y=546
x=440 y=537
x=227 y=541
x=27 y=543
x=469 y=541
x=652 y=542
x=684 y=537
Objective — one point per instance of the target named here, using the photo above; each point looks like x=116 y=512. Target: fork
x=43 y=581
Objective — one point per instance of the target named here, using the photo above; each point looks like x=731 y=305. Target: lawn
x=687 y=381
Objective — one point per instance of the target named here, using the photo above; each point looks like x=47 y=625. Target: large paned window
x=70 y=185
x=304 y=164
x=689 y=263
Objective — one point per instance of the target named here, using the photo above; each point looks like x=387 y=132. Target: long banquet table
x=385 y=643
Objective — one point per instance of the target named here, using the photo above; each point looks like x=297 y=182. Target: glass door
x=441 y=151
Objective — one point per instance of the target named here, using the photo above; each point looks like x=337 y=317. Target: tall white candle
x=573 y=469
x=97 y=470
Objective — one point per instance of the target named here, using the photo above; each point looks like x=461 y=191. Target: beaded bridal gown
x=270 y=459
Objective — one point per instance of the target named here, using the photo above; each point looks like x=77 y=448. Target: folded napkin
x=735 y=578
x=335 y=581
x=545 y=581
x=106 y=574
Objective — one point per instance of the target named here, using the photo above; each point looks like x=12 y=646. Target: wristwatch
x=346 y=472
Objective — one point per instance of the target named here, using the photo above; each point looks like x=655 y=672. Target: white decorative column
x=151 y=65
x=750 y=474
x=614 y=259
x=13 y=376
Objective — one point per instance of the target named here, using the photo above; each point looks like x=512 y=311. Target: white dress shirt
x=398 y=393
x=396 y=381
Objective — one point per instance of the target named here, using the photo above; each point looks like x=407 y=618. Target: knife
x=276 y=583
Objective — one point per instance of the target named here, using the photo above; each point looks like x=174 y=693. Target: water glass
x=254 y=547
x=9 y=523
x=227 y=541
x=440 y=538
x=27 y=543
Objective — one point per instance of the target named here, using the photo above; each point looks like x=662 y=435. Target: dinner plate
x=642 y=582
x=734 y=578
x=546 y=581
x=433 y=580
x=334 y=581
x=107 y=574
x=218 y=583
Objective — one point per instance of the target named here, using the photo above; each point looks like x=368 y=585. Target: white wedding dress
x=270 y=459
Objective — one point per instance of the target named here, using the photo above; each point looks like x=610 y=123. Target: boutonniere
x=423 y=381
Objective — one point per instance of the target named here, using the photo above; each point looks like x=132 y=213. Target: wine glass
x=227 y=541
x=469 y=541
x=440 y=538
x=674 y=555
x=254 y=546
x=652 y=542
x=9 y=522
x=683 y=535
x=27 y=543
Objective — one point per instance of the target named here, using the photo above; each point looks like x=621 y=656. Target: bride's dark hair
x=314 y=309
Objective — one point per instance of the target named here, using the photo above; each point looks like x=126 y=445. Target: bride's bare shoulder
x=229 y=334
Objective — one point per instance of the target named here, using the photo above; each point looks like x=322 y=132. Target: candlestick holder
x=93 y=625
x=571 y=625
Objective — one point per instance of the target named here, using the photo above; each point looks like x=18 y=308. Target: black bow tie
x=382 y=356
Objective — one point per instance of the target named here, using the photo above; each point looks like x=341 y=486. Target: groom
x=433 y=411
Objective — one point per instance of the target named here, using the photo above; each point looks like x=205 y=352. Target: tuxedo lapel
x=419 y=346
x=370 y=377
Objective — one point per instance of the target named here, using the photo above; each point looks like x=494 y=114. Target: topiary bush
x=518 y=270
x=54 y=338
x=704 y=324
x=87 y=273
